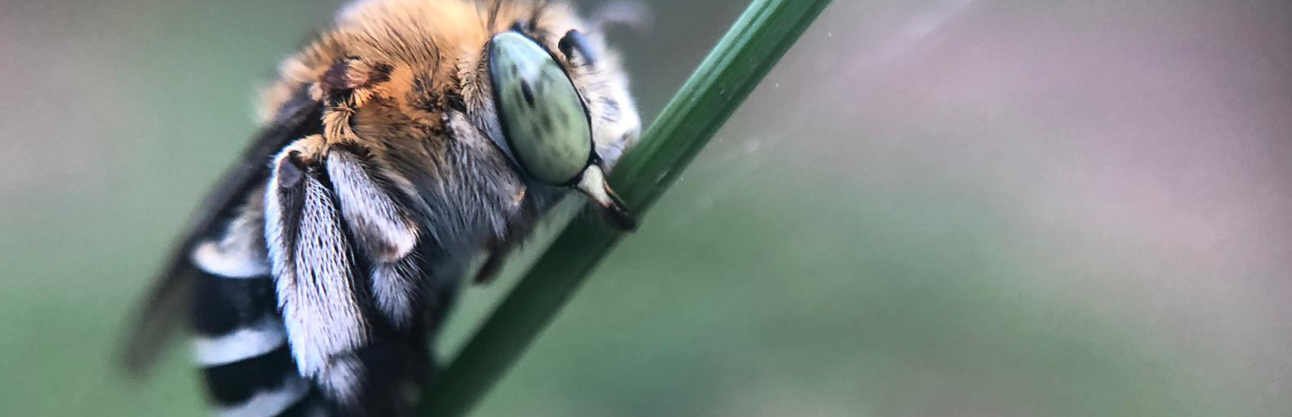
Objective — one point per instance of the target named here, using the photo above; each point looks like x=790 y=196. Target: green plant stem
x=723 y=80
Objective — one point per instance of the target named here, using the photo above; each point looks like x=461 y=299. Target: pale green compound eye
x=544 y=122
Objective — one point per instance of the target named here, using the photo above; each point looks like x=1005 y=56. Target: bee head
x=559 y=122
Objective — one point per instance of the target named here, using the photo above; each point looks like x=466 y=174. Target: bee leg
x=378 y=213
x=384 y=231
x=349 y=266
x=498 y=251
x=315 y=271
x=492 y=265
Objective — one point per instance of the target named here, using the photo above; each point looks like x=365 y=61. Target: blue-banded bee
x=398 y=145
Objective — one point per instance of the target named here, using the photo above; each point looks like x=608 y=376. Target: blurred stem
x=741 y=59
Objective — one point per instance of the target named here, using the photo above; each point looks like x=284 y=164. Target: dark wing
x=166 y=305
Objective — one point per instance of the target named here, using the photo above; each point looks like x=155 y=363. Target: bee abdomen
x=242 y=349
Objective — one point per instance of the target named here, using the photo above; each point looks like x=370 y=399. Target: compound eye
x=544 y=122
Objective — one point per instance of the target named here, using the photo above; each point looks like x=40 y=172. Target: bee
x=396 y=147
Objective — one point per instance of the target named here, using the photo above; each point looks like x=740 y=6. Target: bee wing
x=167 y=303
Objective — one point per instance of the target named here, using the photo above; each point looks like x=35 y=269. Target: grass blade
x=723 y=80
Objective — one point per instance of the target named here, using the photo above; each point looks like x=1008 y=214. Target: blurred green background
x=932 y=208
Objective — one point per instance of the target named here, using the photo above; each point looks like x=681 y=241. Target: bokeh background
x=930 y=208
